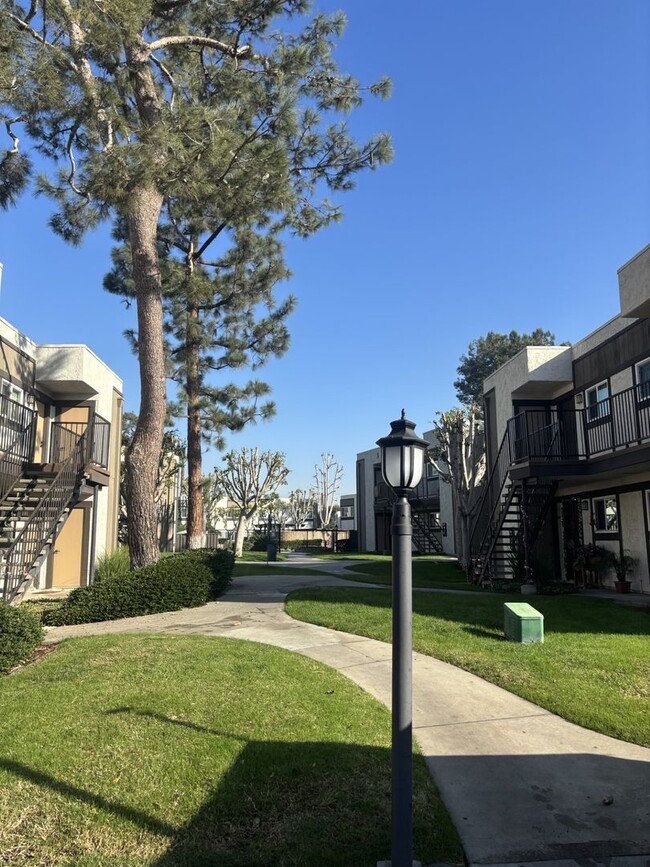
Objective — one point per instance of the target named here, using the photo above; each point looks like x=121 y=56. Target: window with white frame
x=11 y=391
x=643 y=379
x=14 y=398
x=606 y=515
x=597 y=400
x=346 y=512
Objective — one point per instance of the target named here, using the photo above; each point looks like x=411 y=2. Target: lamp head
x=402 y=456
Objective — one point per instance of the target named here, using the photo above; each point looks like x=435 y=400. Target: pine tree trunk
x=194 y=457
x=240 y=534
x=141 y=462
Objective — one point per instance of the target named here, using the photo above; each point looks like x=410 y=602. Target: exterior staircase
x=426 y=532
x=35 y=501
x=508 y=520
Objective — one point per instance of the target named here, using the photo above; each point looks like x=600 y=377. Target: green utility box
x=523 y=623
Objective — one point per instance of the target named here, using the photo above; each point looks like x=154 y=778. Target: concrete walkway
x=522 y=785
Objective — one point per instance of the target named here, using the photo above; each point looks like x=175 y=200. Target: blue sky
x=521 y=183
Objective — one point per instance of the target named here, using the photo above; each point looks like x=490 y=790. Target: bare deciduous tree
x=460 y=461
x=249 y=479
x=327 y=481
x=301 y=504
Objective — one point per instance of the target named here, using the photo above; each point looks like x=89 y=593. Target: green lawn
x=189 y=751
x=256 y=557
x=243 y=570
x=440 y=572
x=593 y=668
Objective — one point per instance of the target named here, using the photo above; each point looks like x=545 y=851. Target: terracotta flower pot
x=623 y=586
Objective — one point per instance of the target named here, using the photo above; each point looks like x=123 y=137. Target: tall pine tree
x=206 y=101
x=220 y=314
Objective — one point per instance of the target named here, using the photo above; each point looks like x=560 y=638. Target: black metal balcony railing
x=613 y=424
x=64 y=437
x=17 y=436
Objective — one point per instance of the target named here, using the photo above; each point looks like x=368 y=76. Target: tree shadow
x=281 y=804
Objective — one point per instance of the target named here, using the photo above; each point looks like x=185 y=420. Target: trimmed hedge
x=20 y=635
x=184 y=580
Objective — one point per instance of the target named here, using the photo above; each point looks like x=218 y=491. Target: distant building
x=347 y=512
x=431 y=508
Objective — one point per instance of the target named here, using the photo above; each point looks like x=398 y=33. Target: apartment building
x=568 y=446
x=60 y=423
x=431 y=508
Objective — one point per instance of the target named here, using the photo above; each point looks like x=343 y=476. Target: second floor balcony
x=609 y=434
x=18 y=428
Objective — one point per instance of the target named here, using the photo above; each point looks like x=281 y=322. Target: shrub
x=184 y=580
x=257 y=542
x=20 y=635
x=114 y=565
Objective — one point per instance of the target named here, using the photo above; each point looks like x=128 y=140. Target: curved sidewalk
x=521 y=784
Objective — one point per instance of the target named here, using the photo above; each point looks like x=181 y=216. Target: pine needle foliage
x=192 y=114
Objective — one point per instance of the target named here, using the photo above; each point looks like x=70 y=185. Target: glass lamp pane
x=417 y=466
x=392 y=466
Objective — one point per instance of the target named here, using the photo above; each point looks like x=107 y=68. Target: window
x=346 y=511
x=643 y=379
x=432 y=472
x=606 y=515
x=597 y=399
x=14 y=398
x=11 y=391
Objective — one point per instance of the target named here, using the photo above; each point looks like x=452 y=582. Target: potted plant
x=622 y=565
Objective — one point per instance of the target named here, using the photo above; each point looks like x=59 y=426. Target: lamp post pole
x=402 y=461
x=402 y=734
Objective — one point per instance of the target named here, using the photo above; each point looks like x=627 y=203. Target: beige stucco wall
x=634 y=285
x=600 y=335
x=536 y=372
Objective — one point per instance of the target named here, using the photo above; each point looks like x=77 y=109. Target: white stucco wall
x=366 y=496
x=634 y=538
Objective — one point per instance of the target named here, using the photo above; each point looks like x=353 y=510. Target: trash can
x=271 y=552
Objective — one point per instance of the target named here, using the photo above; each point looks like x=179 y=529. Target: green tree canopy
x=236 y=107
x=487 y=354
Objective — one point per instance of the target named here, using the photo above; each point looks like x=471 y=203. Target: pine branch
x=207 y=243
x=204 y=41
x=12 y=135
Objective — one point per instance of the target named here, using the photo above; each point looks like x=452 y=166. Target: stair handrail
x=23 y=552
x=18 y=451
x=429 y=534
x=495 y=483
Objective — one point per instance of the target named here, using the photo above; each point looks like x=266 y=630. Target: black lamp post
x=402 y=463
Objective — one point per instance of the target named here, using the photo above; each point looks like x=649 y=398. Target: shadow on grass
x=74 y=793
x=281 y=804
x=484 y=613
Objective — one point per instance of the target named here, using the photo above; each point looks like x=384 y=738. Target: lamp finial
x=403 y=415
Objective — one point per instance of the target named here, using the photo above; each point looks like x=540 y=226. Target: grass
x=188 y=751
x=243 y=570
x=256 y=557
x=440 y=572
x=593 y=668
